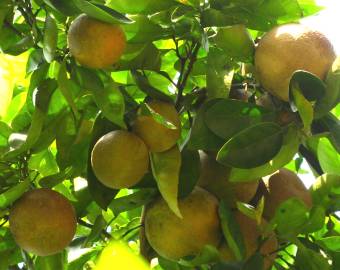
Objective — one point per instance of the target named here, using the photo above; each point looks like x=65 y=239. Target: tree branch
x=185 y=74
x=311 y=159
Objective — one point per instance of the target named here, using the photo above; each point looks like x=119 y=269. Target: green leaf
x=331 y=243
x=144 y=85
x=309 y=85
x=132 y=201
x=332 y=96
x=251 y=211
x=166 y=169
x=145 y=6
x=142 y=30
x=101 y=12
x=316 y=220
x=111 y=101
x=331 y=124
x=290 y=146
x=52 y=180
x=189 y=173
x=82 y=260
x=236 y=42
x=50 y=38
x=201 y=137
x=209 y=254
x=65 y=87
x=11 y=195
x=140 y=56
x=98 y=226
x=231 y=231
x=252 y=147
x=290 y=217
x=42 y=100
x=227 y=117
x=35 y=60
x=52 y=262
x=304 y=107
x=328 y=157
x=65 y=7
x=219 y=74
x=325 y=190
x=309 y=259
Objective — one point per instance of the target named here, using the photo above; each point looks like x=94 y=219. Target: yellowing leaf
x=12 y=71
x=165 y=168
x=118 y=256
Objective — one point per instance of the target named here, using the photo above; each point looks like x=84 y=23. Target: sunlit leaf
x=166 y=169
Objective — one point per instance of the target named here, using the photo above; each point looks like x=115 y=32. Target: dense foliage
x=198 y=55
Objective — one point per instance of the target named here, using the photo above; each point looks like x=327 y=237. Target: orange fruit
x=43 y=222
x=288 y=48
x=157 y=136
x=214 y=177
x=251 y=235
x=95 y=44
x=281 y=186
x=120 y=159
x=173 y=237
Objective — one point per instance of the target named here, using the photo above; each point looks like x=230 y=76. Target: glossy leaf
x=166 y=169
x=50 y=38
x=332 y=95
x=328 y=157
x=14 y=193
x=291 y=142
x=252 y=147
x=132 y=201
x=189 y=173
x=227 y=117
x=101 y=12
x=201 y=137
x=144 y=85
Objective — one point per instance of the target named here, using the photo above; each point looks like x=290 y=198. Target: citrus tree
x=170 y=132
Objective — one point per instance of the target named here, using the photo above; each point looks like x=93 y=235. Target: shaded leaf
x=50 y=38
x=231 y=232
x=252 y=147
x=189 y=173
x=291 y=142
x=132 y=201
x=227 y=117
x=101 y=12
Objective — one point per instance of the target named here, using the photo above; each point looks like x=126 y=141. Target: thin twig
x=185 y=74
x=90 y=226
